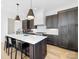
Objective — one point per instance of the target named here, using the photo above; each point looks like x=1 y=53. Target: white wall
x=41 y=28
x=54 y=11
x=10 y=25
x=4 y=20
x=4 y=27
x=39 y=17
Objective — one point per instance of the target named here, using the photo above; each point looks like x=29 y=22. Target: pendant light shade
x=30 y=14
x=17 y=16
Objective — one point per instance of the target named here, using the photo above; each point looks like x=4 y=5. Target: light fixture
x=30 y=14
x=17 y=16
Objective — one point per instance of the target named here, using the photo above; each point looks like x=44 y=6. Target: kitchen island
x=37 y=44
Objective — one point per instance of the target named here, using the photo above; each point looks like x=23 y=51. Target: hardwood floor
x=53 y=52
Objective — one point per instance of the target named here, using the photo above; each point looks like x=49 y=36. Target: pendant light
x=17 y=16
x=30 y=14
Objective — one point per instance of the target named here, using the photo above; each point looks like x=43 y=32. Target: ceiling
x=9 y=6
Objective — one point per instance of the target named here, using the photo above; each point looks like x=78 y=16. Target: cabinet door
x=52 y=21
x=68 y=29
x=69 y=16
x=32 y=24
x=27 y=24
x=52 y=39
x=24 y=26
x=76 y=37
x=63 y=36
x=76 y=16
x=63 y=19
x=48 y=22
x=71 y=44
x=55 y=40
x=73 y=37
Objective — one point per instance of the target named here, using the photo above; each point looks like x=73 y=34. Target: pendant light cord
x=31 y=4
x=17 y=8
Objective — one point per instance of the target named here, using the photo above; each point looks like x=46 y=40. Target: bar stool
x=10 y=43
x=24 y=48
x=5 y=45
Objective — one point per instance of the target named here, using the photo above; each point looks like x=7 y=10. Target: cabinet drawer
x=52 y=39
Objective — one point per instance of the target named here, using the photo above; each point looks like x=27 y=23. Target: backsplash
x=52 y=31
x=47 y=31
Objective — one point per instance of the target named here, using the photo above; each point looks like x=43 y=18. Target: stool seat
x=24 y=45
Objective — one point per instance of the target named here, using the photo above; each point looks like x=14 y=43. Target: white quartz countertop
x=32 y=39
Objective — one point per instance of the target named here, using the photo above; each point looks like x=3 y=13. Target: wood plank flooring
x=53 y=52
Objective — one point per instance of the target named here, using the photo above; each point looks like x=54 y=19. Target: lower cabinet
x=67 y=39
x=52 y=39
x=73 y=37
x=63 y=36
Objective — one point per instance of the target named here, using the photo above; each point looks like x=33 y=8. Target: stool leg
x=11 y=52
x=8 y=51
x=16 y=54
x=4 y=46
x=6 y=43
x=21 y=54
x=8 y=48
x=21 y=51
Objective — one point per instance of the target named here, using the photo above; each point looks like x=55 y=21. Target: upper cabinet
x=68 y=16
x=27 y=25
x=52 y=21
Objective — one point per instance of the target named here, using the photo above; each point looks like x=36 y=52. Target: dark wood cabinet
x=38 y=50
x=52 y=21
x=67 y=23
x=24 y=26
x=73 y=37
x=27 y=25
x=32 y=24
x=52 y=39
x=63 y=36
x=68 y=28
x=68 y=17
